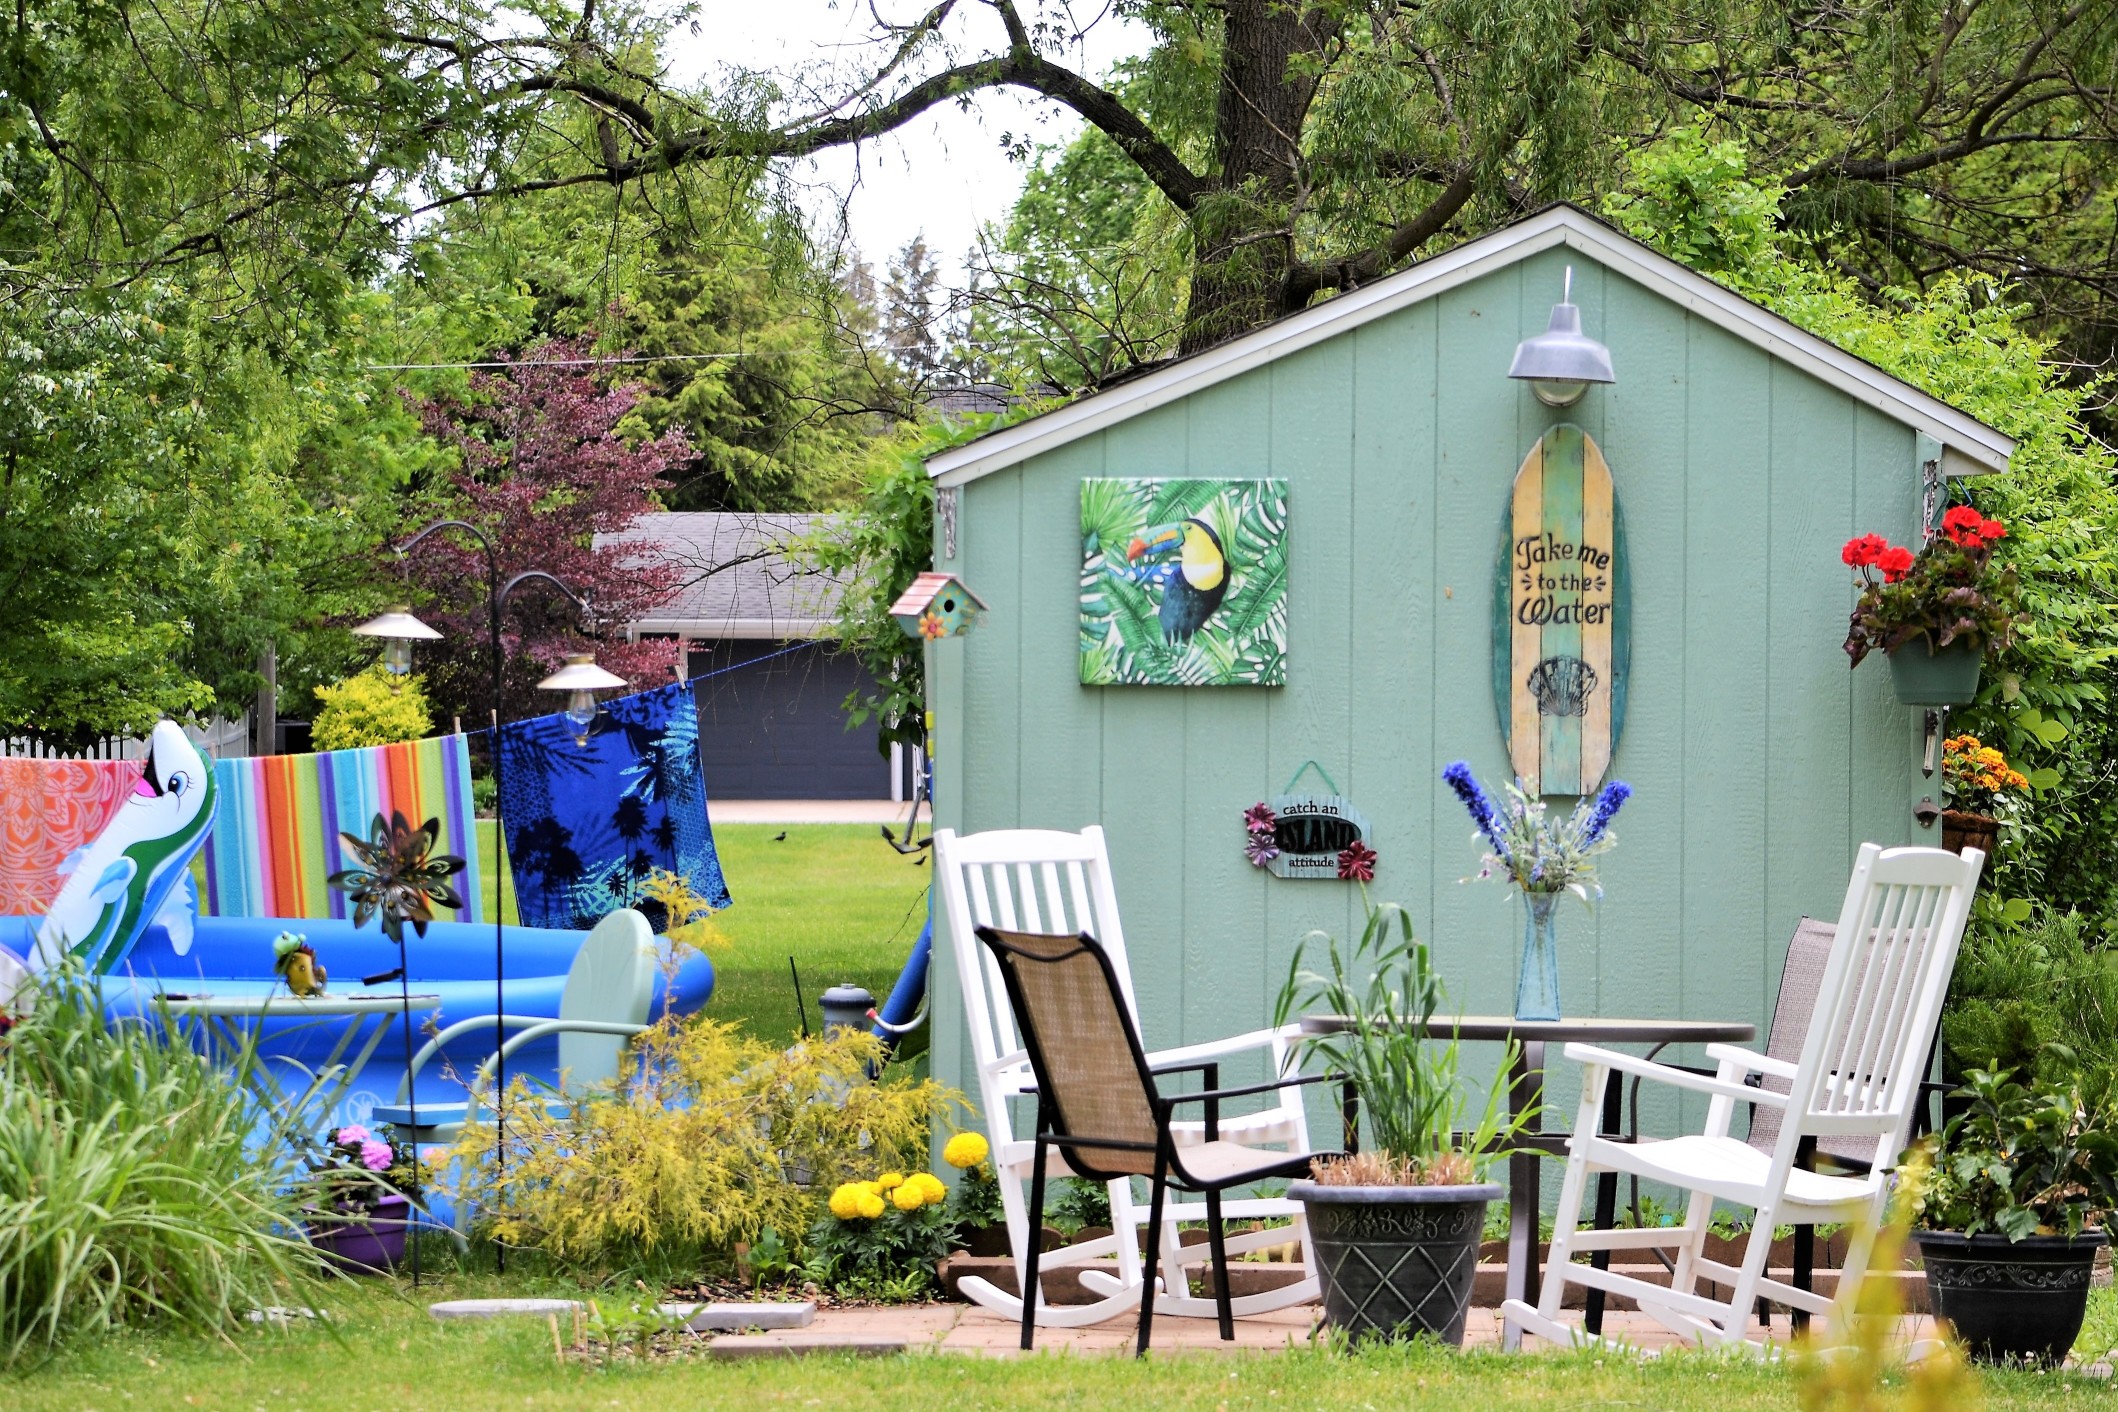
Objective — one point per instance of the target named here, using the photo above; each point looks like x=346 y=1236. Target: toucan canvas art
x=1184 y=582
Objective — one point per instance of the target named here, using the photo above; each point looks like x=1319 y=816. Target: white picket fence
x=216 y=739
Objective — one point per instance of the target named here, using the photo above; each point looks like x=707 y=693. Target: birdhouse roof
x=924 y=589
x=1969 y=446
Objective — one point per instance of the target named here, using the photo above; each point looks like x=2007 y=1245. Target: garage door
x=774 y=727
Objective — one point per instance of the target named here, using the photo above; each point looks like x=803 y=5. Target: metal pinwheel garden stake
x=399 y=880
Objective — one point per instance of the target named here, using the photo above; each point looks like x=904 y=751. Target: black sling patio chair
x=1098 y=1103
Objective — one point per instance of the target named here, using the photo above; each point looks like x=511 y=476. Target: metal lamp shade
x=398 y=629
x=1560 y=363
x=580 y=679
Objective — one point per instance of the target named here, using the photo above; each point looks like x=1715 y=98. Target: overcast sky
x=942 y=174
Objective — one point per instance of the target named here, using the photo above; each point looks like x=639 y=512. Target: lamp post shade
x=580 y=679
x=1560 y=363
x=398 y=629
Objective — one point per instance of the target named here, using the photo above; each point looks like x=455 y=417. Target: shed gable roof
x=1969 y=446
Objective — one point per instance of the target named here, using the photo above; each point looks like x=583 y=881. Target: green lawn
x=389 y=1353
x=835 y=897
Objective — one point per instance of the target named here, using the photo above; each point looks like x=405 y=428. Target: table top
x=283 y=1004
x=1606 y=1029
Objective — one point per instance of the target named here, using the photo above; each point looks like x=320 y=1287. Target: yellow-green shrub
x=370 y=708
x=708 y=1138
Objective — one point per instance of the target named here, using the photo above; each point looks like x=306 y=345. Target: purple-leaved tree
x=541 y=469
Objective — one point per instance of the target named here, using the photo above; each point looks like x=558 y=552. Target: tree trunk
x=1243 y=231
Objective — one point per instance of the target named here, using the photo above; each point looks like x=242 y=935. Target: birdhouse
x=937 y=605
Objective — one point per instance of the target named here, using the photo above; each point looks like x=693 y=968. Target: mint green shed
x=1743 y=452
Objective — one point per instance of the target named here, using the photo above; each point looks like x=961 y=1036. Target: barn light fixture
x=580 y=679
x=398 y=630
x=1560 y=363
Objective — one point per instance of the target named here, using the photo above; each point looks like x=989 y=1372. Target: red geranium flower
x=1962 y=517
x=1896 y=562
x=1992 y=530
x=1863 y=550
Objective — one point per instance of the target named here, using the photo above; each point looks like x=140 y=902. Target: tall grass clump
x=131 y=1193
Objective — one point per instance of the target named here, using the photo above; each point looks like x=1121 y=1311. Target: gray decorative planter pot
x=1922 y=676
x=1396 y=1261
x=2016 y=1301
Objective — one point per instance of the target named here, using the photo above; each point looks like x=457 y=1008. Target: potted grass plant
x=1937 y=613
x=1395 y=1226
x=2012 y=1216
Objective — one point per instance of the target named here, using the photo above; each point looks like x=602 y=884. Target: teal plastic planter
x=1924 y=677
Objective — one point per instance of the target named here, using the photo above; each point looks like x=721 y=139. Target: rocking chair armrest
x=1216 y=1048
x=1674 y=1077
x=1750 y=1062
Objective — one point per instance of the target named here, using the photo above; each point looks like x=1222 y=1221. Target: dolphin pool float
x=131 y=871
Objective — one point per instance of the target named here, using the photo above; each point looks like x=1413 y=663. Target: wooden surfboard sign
x=1561 y=610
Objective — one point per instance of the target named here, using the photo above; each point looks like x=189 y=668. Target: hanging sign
x=1310 y=835
x=1561 y=605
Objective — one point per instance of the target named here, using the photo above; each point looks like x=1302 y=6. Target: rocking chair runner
x=1098 y=1103
x=1039 y=880
x=1858 y=1078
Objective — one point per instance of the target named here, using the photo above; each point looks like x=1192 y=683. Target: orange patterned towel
x=49 y=808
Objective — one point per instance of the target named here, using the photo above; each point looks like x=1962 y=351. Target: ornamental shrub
x=370 y=708
x=707 y=1139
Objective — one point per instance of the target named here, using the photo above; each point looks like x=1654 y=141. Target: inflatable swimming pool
x=232 y=956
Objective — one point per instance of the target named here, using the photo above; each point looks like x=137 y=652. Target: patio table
x=225 y=1013
x=1526 y=1088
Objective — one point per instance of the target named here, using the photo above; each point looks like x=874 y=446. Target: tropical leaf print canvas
x=1184 y=582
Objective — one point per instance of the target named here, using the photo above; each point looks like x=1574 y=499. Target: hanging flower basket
x=1923 y=676
x=1935 y=613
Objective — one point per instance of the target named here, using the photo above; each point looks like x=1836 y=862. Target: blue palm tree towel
x=588 y=820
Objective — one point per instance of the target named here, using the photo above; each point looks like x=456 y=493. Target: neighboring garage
x=771 y=694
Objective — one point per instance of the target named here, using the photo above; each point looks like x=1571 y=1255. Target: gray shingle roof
x=737 y=580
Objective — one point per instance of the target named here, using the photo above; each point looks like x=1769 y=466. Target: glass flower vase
x=1537 y=990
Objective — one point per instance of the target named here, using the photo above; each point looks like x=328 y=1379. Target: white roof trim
x=748 y=629
x=1976 y=447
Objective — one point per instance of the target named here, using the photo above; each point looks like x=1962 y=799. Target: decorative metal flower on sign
x=397 y=878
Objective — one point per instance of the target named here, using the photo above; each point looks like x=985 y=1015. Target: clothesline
x=716 y=672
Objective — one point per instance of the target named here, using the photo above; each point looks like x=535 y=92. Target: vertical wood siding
x=1759 y=761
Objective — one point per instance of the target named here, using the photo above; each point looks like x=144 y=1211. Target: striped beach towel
x=276 y=835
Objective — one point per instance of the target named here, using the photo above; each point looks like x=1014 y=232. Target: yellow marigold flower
x=871 y=1205
x=965 y=1151
x=930 y=1186
x=872 y=1188
x=889 y=1181
x=909 y=1196
x=845 y=1201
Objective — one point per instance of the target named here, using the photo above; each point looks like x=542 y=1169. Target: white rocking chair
x=1859 y=1076
x=1039 y=880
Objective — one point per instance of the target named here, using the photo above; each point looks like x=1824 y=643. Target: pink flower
x=352 y=1134
x=376 y=1156
x=1259 y=818
x=1356 y=862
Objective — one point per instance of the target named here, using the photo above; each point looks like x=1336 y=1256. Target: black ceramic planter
x=2010 y=1301
x=1396 y=1261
